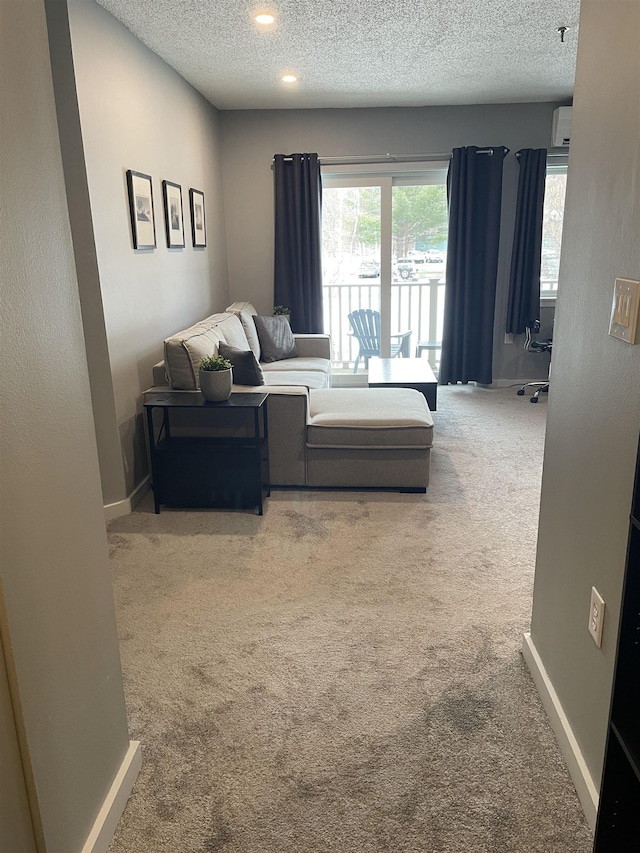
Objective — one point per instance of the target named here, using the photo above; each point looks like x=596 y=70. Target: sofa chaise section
x=369 y=438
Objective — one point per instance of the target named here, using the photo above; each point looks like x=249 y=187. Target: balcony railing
x=417 y=306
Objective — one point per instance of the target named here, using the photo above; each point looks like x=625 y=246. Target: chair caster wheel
x=534 y=399
x=520 y=392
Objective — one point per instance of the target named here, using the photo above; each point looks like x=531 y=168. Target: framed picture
x=143 y=226
x=173 y=219
x=198 y=224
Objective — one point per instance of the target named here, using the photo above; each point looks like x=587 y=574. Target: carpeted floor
x=343 y=674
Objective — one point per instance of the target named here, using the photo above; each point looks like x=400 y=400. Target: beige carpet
x=343 y=675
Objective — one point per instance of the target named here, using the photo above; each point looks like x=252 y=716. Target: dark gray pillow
x=276 y=338
x=246 y=370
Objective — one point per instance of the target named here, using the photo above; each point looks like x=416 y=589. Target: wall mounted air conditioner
x=561 y=127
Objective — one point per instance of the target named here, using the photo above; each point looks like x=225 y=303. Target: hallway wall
x=594 y=401
x=57 y=614
x=134 y=112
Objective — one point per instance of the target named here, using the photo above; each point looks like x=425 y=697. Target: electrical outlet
x=596 y=616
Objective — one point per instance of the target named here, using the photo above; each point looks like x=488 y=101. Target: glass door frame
x=385 y=176
x=383 y=182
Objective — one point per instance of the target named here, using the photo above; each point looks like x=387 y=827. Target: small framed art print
x=143 y=227
x=173 y=219
x=198 y=224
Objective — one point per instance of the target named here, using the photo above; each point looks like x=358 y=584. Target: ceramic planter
x=216 y=385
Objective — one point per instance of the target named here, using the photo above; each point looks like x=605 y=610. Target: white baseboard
x=105 y=824
x=569 y=747
x=126 y=506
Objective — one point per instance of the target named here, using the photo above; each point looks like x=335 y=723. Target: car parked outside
x=369 y=269
x=406 y=268
x=434 y=256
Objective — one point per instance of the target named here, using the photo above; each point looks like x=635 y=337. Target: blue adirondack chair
x=365 y=325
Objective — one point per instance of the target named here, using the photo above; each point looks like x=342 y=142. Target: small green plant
x=281 y=309
x=215 y=362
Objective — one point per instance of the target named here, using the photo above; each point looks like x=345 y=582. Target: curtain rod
x=383 y=158
x=363 y=159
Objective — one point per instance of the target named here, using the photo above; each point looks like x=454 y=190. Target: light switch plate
x=596 y=616
x=624 y=311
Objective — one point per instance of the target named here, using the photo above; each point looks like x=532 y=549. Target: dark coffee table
x=404 y=373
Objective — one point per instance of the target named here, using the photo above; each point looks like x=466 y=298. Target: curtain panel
x=524 y=280
x=474 y=190
x=298 y=240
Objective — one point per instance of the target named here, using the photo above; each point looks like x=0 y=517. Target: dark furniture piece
x=405 y=373
x=618 y=824
x=532 y=345
x=208 y=454
x=365 y=324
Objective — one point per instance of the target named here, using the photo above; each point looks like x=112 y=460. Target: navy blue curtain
x=474 y=190
x=298 y=240
x=524 y=281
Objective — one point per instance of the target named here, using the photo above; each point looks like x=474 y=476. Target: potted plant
x=215 y=378
x=281 y=310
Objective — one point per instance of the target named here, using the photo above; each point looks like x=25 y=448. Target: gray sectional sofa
x=318 y=436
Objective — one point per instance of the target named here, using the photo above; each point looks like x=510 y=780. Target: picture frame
x=173 y=216
x=198 y=222
x=143 y=224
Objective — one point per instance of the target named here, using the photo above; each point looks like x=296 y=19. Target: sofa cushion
x=293 y=378
x=246 y=312
x=276 y=338
x=233 y=332
x=300 y=363
x=184 y=351
x=246 y=370
x=369 y=417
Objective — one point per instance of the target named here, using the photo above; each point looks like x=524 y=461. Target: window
x=552 y=221
x=384 y=243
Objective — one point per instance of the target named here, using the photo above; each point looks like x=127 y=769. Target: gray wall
x=16 y=828
x=58 y=618
x=251 y=138
x=137 y=113
x=594 y=405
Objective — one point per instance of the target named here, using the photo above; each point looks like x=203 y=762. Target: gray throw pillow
x=246 y=370
x=276 y=338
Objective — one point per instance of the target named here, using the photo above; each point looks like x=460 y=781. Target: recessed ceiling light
x=289 y=78
x=265 y=18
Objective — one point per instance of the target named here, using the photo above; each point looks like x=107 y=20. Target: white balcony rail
x=417 y=306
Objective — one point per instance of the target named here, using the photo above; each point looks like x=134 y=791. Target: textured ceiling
x=362 y=53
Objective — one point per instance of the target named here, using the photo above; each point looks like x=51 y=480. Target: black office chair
x=532 y=345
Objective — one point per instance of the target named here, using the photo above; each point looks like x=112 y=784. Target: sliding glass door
x=353 y=261
x=419 y=238
x=384 y=248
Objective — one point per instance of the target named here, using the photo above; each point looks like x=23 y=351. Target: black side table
x=208 y=454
